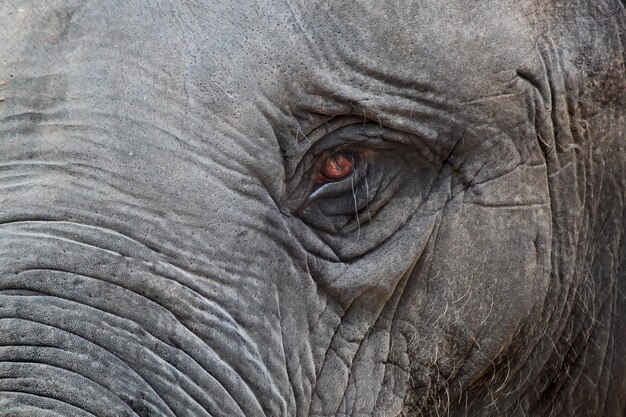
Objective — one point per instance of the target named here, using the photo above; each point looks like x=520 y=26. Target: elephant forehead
x=442 y=43
x=307 y=57
x=228 y=55
x=446 y=46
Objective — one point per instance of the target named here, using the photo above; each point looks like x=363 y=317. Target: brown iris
x=336 y=167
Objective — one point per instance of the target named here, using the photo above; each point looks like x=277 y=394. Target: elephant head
x=312 y=208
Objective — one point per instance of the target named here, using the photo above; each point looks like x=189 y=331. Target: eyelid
x=355 y=136
x=323 y=189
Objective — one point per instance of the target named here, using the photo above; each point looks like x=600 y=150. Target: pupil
x=337 y=166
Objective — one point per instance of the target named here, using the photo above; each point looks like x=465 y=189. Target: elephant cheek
x=493 y=267
x=478 y=286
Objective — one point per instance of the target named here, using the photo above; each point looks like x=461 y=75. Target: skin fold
x=312 y=208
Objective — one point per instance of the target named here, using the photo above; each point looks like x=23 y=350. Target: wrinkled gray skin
x=167 y=250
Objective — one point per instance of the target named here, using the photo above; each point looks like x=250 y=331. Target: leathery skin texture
x=312 y=208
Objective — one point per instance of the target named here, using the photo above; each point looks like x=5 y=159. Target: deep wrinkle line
x=168 y=264
x=70 y=371
x=150 y=265
x=374 y=322
x=94 y=278
x=141 y=326
x=89 y=342
x=407 y=274
x=282 y=346
x=52 y=399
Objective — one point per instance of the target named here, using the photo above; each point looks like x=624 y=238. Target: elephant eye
x=336 y=167
x=350 y=174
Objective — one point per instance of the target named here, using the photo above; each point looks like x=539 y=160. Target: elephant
x=312 y=208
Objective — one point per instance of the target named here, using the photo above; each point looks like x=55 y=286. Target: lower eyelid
x=323 y=189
